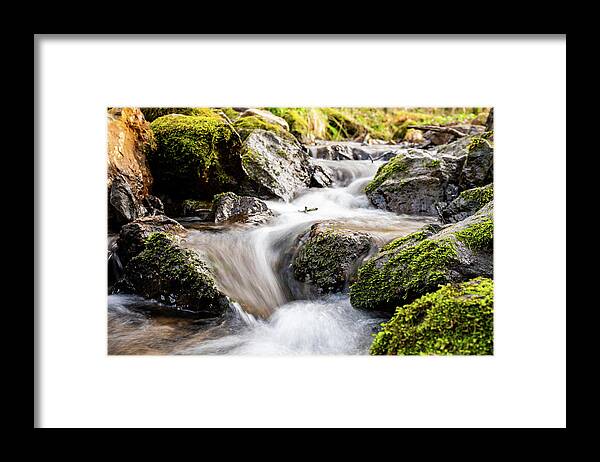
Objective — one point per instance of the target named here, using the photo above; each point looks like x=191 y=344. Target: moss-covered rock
x=457 y=319
x=266 y=116
x=175 y=276
x=328 y=256
x=410 y=183
x=467 y=203
x=133 y=235
x=416 y=264
x=195 y=157
x=153 y=113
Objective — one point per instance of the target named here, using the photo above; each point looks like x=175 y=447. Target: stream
x=273 y=314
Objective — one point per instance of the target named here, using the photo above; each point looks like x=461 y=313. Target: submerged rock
x=229 y=207
x=274 y=166
x=132 y=235
x=328 y=256
x=175 y=276
x=414 y=265
x=457 y=319
x=129 y=179
x=467 y=203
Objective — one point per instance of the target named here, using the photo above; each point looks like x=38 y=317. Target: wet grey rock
x=321 y=176
x=229 y=207
x=274 y=166
x=424 y=182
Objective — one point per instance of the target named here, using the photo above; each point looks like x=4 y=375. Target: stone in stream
x=198 y=209
x=456 y=319
x=320 y=176
x=467 y=203
x=175 y=276
x=129 y=179
x=421 y=182
x=414 y=265
x=274 y=166
x=328 y=256
x=132 y=235
x=229 y=207
x=199 y=156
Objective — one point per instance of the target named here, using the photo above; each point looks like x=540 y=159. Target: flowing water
x=272 y=314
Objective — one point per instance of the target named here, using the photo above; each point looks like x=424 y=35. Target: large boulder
x=130 y=139
x=457 y=319
x=328 y=256
x=175 y=276
x=197 y=157
x=229 y=207
x=422 y=182
x=133 y=235
x=414 y=265
x=274 y=166
x=467 y=203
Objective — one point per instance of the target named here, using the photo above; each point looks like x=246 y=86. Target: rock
x=413 y=135
x=332 y=151
x=267 y=117
x=175 y=276
x=414 y=265
x=199 y=156
x=233 y=208
x=467 y=203
x=129 y=179
x=320 y=176
x=274 y=166
x=457 y=319
x=132 y=235
x=328 y=256
x=411 y=183
x=198 y=209
x=195 y=156
x=422 y=182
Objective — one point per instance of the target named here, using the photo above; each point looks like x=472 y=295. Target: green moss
x=395 y=165
x=456 y=319
x=478 y=236
x=174 y=275
x=479 y=196
x=245 y=126
x=410 y=239
x=402 y=272
x=195 y=155
x=433 y=163
x=480 y=141
x=325 y=259
x=153 y=113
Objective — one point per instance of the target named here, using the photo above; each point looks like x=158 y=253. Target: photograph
x=294 y=231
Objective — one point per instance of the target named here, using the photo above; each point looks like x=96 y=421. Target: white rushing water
x=251 y=265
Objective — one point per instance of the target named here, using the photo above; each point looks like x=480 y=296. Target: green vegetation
x=456 y=319
x=245 y=126
x=390 y=168
x=478 y=236
x=387 y=124
x=479 y=196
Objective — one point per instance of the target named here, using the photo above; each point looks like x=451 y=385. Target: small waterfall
x=251 y=264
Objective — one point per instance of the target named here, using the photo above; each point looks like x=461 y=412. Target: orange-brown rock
x=129 y=178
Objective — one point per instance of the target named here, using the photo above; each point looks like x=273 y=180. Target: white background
x=522 y=385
